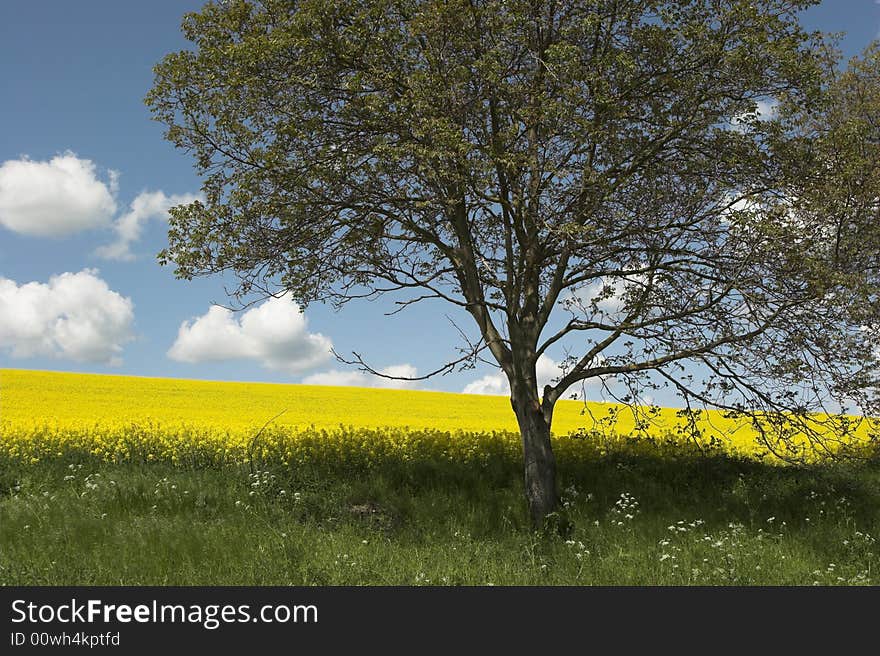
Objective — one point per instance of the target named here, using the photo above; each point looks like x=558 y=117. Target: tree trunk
x=540 y=462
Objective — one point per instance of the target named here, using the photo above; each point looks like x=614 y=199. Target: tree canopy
x=658 y=187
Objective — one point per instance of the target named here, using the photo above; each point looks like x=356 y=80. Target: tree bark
x=540 y=462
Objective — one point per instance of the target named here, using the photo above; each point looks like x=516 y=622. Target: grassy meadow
x=121 y=480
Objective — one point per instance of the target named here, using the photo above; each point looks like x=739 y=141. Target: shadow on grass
x=465 y=521
x=668 y=484
x=402 y=495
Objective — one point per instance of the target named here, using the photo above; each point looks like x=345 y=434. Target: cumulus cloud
x=872 y=332
x=75 y=316
x=55 y=198
x=765 y=110
x=128 y=227
x=65 y=195
x=361 y=379
x=274 y=333
x=733 y=207
x=609 y=295
x=494 y=384
x=547 y=369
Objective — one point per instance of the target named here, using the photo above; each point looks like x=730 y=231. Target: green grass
x=641 y=519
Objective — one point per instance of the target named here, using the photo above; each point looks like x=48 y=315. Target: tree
x=530 y=160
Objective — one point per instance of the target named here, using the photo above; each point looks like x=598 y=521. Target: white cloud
x=495 y=384
x=65 y=195
x=274 y=333
x=730 y=208
x=765 y=110
x=128 y=227
x=873 y=331
x=55 y=198
x=362 y=379
x=75 y=316
x=338 y=378
x=580 y=300
x=547 y=370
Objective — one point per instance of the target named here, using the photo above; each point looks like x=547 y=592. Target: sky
x=86 y=179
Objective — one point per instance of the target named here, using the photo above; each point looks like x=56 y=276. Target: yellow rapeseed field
x=46 y=413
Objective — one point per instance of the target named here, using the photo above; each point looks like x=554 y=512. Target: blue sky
x=85 y=179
